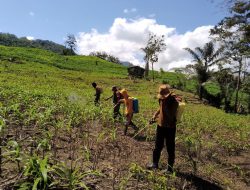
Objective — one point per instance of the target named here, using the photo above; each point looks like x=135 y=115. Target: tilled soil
x=121 y=160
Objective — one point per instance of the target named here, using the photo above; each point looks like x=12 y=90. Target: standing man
x=116 y=96
x=166 y=127
x=98 y=92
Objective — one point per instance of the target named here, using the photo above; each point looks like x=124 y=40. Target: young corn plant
x=14 y=153
x=87 y=153
x=193 y=149
x=159 y=181
x=124 y=181
x=138 y=172
x=44 y=145
x=58 y=125
x=101 y=137
x=2 y=133
x=72 y=178
x=113 y=134
x=36 y=173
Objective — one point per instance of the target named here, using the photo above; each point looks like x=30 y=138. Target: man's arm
x=152 y=120
x=156 y=114
x=109 y=97
x=119 y=102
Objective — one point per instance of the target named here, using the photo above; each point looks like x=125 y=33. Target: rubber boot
x=152 y=166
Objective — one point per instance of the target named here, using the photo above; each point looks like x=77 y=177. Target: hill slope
x=52 y=134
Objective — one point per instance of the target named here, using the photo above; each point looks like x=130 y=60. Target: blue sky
x=96 y=20
x=53 y=19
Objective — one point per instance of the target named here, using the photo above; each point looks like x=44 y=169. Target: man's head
x=163 y=91
x=114 y=88
x=94 y=84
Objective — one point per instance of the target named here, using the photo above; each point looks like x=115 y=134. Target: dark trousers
x=129 y=123
x=117 y=112
x=97 y=98
x=166 y=134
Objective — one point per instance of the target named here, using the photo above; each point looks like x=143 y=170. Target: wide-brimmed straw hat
x=163 y=91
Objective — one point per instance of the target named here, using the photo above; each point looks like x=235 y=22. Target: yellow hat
x=124 y=92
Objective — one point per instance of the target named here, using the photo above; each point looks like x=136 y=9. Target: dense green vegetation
x=11 y=40
x=52 y=136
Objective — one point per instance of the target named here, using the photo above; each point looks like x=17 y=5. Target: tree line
x=228 y=52
x=7 y=39
x=106 y=56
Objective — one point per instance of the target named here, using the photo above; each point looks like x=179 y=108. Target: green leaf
x=24 y=186
x=43 y=168
x=36 y=183
x=83 y=185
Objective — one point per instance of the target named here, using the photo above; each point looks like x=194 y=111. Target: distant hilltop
x=126 y=64
x=7 y=39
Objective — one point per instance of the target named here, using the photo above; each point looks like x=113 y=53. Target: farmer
x=98 y=92
x=128 y=101
x=116 y=96
x=166 y=127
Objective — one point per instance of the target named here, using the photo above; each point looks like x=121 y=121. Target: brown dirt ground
x=114 y=157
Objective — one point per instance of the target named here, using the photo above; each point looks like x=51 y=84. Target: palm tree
x=204 y=58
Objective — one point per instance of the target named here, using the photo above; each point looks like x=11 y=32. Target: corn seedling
x=138 y=172
x=2 y=132
x=36 y=171
x=87 y=153
x=124 y=181
x=192 y=149
x=14 y=153
x=72 y=178
x=44 y=145
x=160 y=183
x=113 y=134
x=101 y=136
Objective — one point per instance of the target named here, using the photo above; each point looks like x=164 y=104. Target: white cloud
x=127 y=11
x=126 y=37
x=31 y=13
x=30 y=37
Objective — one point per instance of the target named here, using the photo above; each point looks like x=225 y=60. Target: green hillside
x=53 y=137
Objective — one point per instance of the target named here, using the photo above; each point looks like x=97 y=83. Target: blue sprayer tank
x=135 y=105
